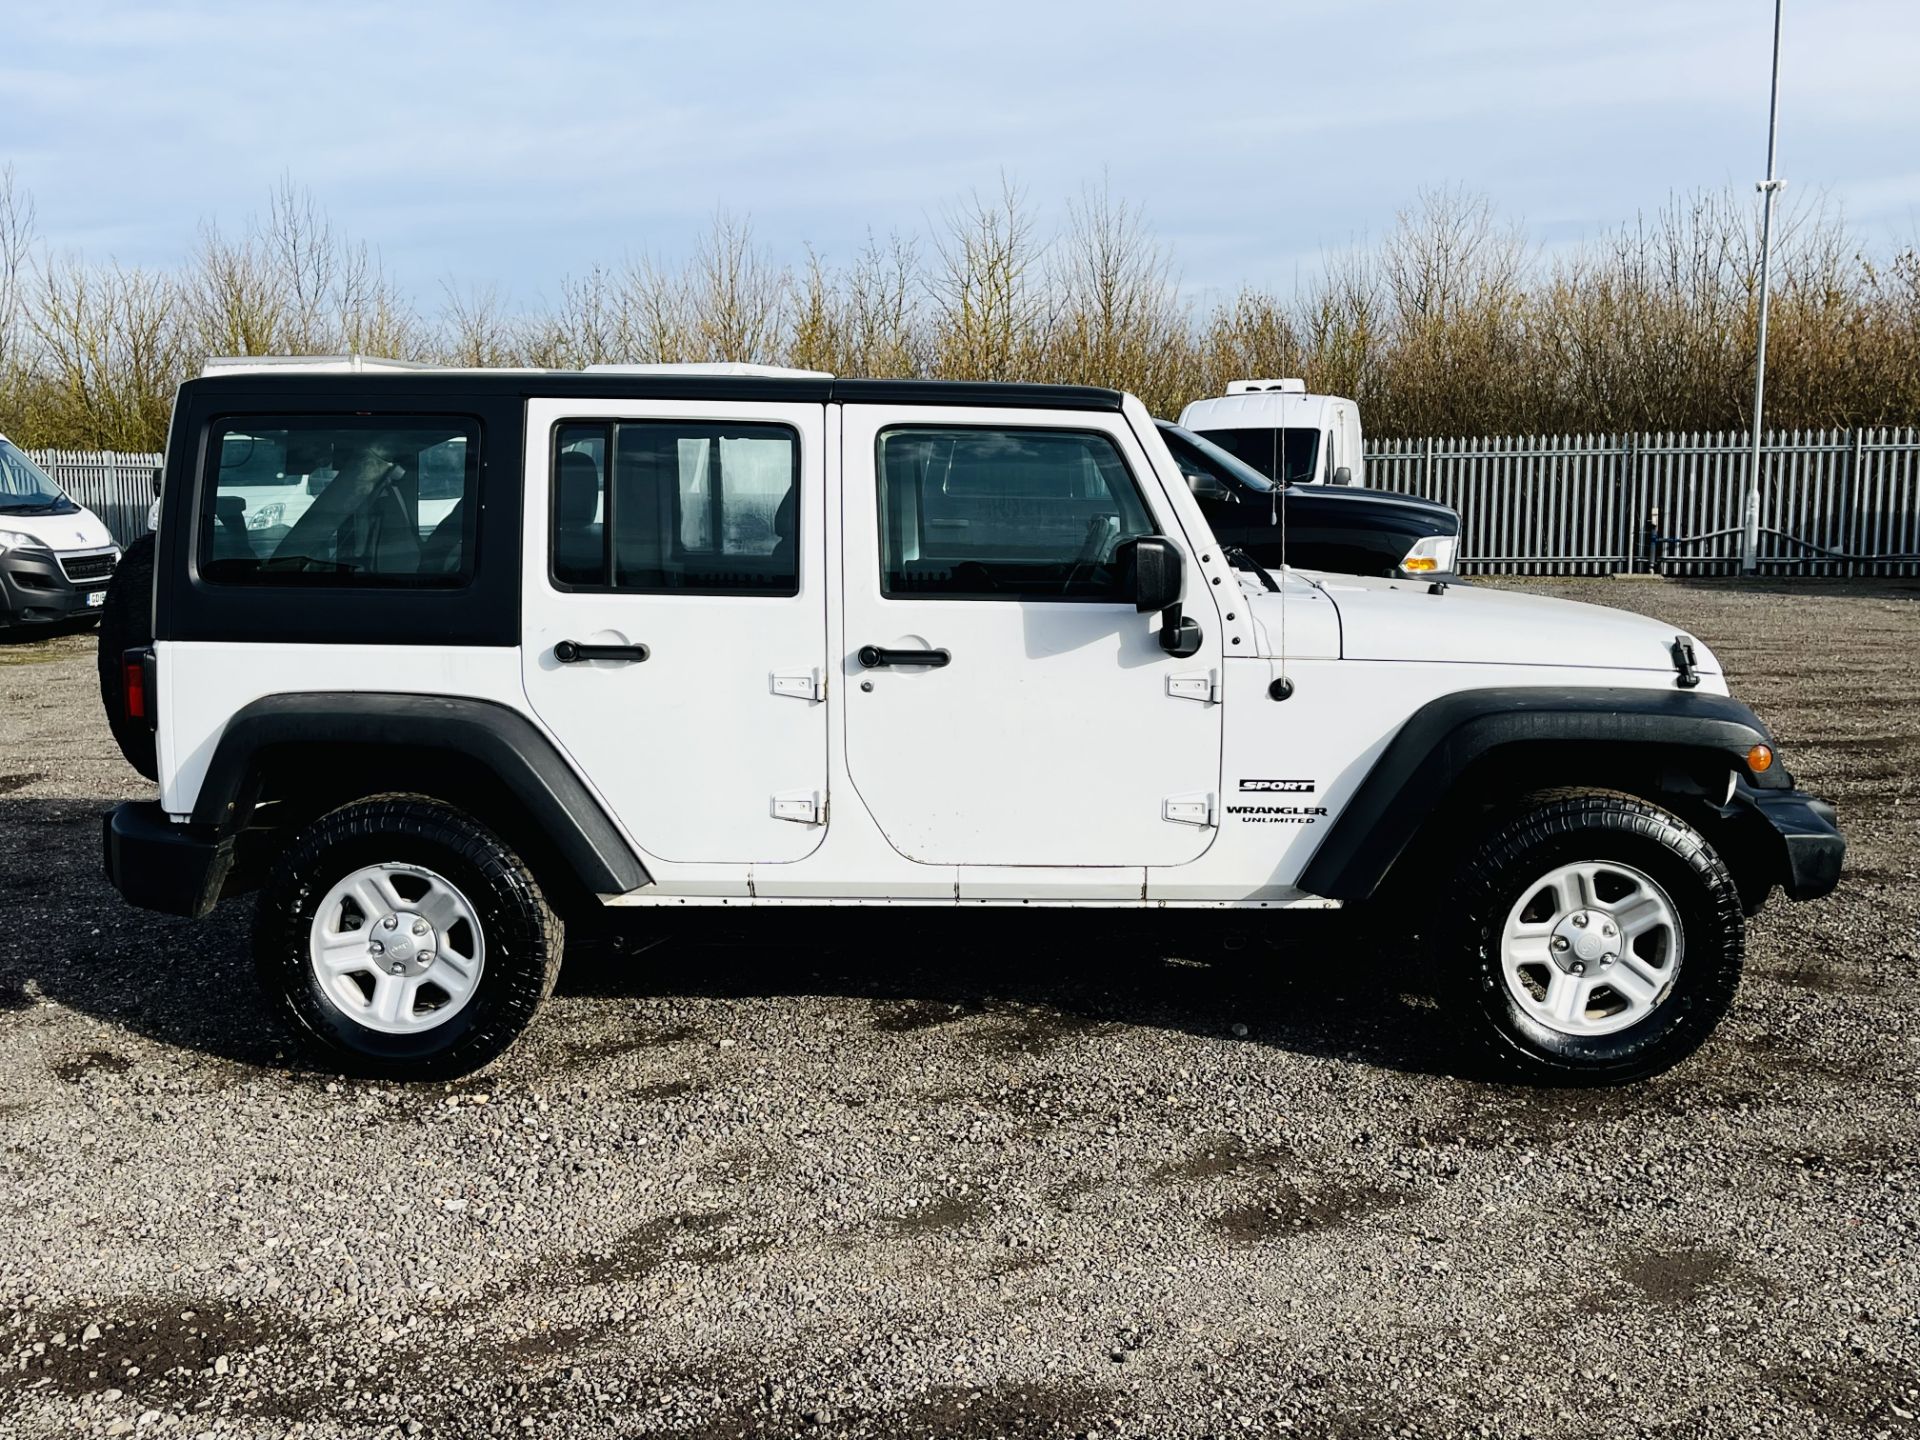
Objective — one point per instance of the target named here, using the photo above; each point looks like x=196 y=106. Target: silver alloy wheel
x=397 y=948
x=1591 y=948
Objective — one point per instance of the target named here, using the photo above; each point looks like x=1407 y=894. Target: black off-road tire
x=522 y=935
x=126 y=623
x=1559 y=827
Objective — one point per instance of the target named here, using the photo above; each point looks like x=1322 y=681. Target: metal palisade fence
x=116 y=487
x=1832 y=502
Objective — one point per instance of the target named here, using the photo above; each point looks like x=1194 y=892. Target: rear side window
x=664 y=506
x=340 y=500
x=973 y=513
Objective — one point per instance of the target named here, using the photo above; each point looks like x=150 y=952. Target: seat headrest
x=786 y=516
x=576 y=490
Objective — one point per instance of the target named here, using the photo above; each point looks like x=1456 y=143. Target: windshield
x=1191 y=449
x=26 y=489
x=1261 y=449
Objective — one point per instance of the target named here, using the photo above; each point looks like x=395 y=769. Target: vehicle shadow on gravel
x=1304 y=983
x=180 y=982
x=1308 y=983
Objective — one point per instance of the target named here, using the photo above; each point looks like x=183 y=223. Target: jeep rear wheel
x=405 y=938
x=1601 y=940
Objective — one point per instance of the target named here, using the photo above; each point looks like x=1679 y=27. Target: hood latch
x=1684 y=662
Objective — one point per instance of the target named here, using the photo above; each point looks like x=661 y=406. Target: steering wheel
x=1103 y=533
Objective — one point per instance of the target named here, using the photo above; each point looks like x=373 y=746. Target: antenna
x=1283 y=687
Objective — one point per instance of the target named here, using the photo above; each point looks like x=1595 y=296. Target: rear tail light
x=136 y=687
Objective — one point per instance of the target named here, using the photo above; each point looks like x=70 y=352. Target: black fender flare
x=1444 y=737
x=503 y=740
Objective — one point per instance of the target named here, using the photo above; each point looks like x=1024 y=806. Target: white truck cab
x=678 y=638
x=56 y=556
x=1276 y=426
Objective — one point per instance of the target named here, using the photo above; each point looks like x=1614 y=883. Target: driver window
x=339 y=500
x=976 y=513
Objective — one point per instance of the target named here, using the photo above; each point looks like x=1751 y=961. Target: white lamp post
x=1769 y=188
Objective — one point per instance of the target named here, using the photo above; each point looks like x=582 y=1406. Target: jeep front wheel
x=1601 y=940
x=405 y=938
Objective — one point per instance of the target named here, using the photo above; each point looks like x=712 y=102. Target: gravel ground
x=931 y=1182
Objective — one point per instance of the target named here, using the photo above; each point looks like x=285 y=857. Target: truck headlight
x=14 y=540
x=266 y=515
x=1434 y=555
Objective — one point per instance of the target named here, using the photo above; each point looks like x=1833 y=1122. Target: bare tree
x=235 y=302
x=990 y=309
x=1118 y=318
x=865 y=320
x=653 y=316
x=16 y=248
x=110 y=343
x=736 y=296
x=475 y=330
x=1452 y=324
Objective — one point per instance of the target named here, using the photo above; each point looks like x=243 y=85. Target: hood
x=80 y=530
x=1368 y=510
x=1400 y=620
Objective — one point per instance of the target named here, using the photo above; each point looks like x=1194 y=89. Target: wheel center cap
x=1585 y=941
x=407 y=944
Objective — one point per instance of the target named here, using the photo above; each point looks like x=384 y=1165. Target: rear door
x=1012 y=708
x=675 y=617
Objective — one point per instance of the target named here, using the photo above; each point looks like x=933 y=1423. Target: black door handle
x=874 y=656
x=572 y=652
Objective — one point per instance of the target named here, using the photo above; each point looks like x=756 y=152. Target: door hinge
x=803 y=807
x=1203 y=688
x=800 y=684
x=1188 y=809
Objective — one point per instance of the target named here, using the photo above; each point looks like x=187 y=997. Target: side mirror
x=1209 y=487
x=156 y=482
x=1153 y=572
x=1151 y=568
x=1341 y=476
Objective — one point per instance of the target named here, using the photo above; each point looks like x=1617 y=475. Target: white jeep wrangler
x=535 y=643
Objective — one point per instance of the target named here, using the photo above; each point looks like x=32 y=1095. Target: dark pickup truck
x=1350 y=532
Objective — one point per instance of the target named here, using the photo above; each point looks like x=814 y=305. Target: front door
x=675 y=603
x=1012 y=708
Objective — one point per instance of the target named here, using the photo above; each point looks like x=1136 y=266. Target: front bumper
x=158 y=865
x=1796 y=834
x=35 y=588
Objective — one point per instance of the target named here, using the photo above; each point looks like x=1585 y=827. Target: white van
x=1262 y=420
x=55 y=555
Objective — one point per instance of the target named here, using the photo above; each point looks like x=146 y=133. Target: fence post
x=1623 y=508
x=1845 y=529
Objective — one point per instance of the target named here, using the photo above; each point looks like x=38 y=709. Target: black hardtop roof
x=311 y=387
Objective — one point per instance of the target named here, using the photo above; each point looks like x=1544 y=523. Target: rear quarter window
x=340 y=500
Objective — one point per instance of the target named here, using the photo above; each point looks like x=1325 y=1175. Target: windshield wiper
x=1241 y=560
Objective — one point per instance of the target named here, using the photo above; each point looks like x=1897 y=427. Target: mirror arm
x=1180 y=635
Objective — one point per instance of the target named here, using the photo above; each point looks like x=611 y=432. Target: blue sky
x=484 y=142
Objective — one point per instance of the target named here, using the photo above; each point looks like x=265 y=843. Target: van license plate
x=96 y=597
